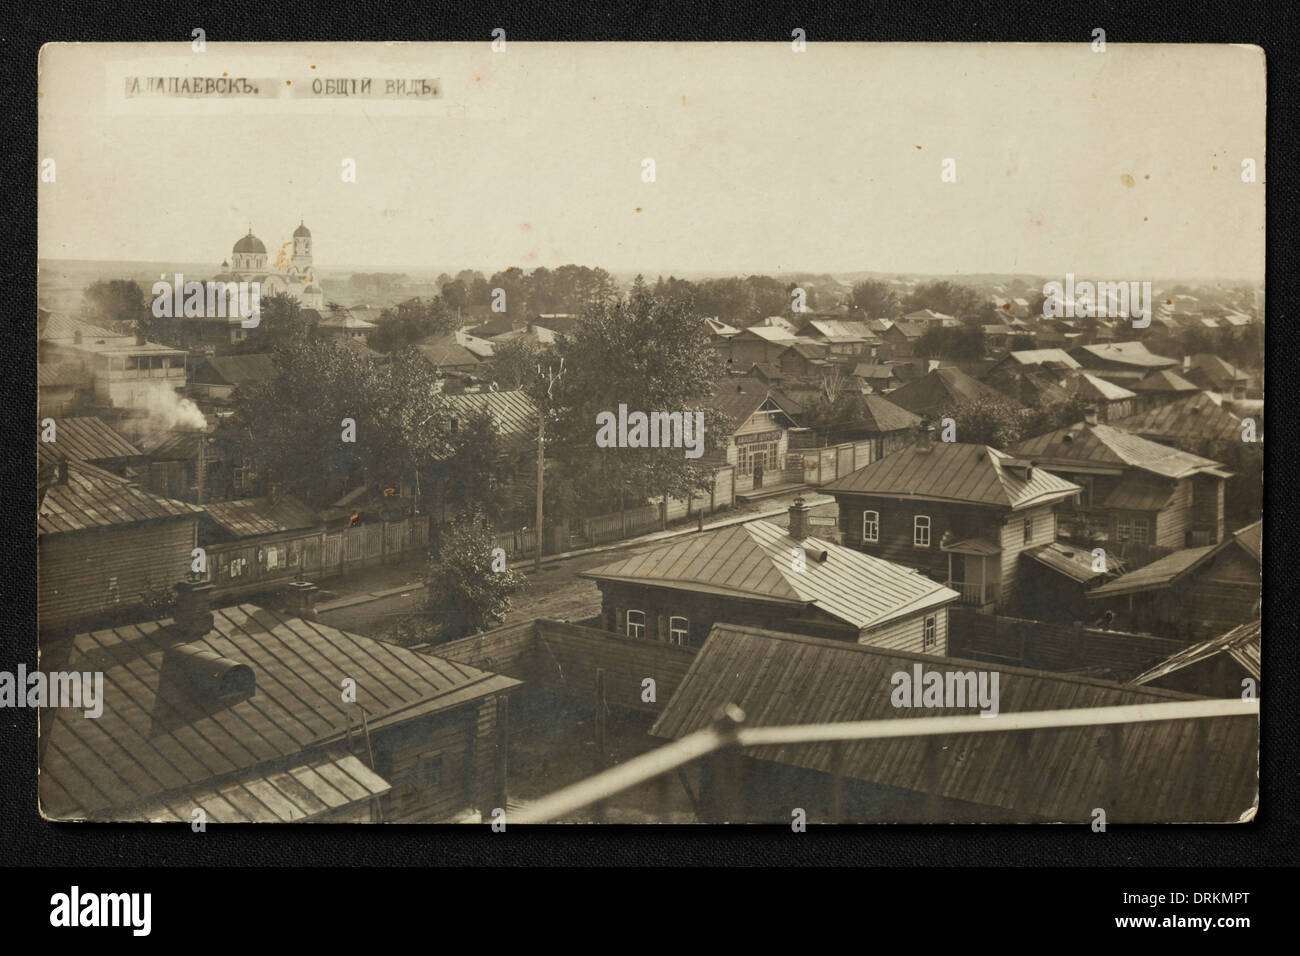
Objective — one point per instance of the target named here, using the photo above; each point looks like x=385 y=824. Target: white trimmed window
x=921 y=531
x=871 y=526
x=931 y=638
x=1029 y=529
x=636 y=623
x=679 y=629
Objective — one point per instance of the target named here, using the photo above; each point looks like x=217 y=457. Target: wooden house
x=123 y=369
x=1192 y=593
x=1152 y=771
x=939 y=389
x=763 y=575
x=878 y=378
x=961 y=513
x=898 y=342
x=104 y=545
x=845 y=340
x=261 y=541
x=804 y=361
x=758 y=345
x=216 y=378
x=1215 y=375
x=1160 y=388
x=1136 y=493
x=1124 y=363
x=242 y=712
x=61 y=388
x=760 y=433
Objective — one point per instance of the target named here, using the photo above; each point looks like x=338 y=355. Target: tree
x=465 y=593
x=987 y=421
x=282 y=324
x=516 y=362
x=960 y=301
x=119 y=304
x=876 y=299
x=651 y=355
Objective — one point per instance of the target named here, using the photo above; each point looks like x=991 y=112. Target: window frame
x=930 y=631
x=1028 y=529
x=628 y=625
x=874 y=537
x=1142 y=525
x=684 y=631
x=917 y=528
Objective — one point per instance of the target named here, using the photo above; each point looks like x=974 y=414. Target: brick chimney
x=193 y=608
x=301 y=599
x=798 y=519
x=1090 y=415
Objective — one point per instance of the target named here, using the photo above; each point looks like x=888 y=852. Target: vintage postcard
x=509 y=433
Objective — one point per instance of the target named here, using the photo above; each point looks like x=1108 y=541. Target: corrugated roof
x=88 y=439
x=94 y=498
x=301 y=793
x=1082 y=443
x=940 y=388
x=1242 y=643
x=1194 y=418
x=141 y=748
x=754 y=560
x=953 y=471
x=1059 y=774
x=253 y=516
x=513 y=411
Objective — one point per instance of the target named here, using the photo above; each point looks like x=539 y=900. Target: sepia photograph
x=784 y=433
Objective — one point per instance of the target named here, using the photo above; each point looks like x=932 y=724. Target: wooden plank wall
x=568 y=656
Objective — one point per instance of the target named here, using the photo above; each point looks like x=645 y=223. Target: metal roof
x=1089 y=385
x=94 y=498
x=253 y=516
x=301 y=793
x=739 y=398
x=1082 y=443
x=953 y=471
x=140 y=749
x=1250 y=538
x=1242 y=643
x=1074 y=562
x=940 y=388
x=1039 y=356
x=88 y=439
x=1164 y=380
x=1159 y=573
x=513 y=411
x=1124 y=353
x=881 y=415
x=446 y=351
x=236 y=369
x=754 y=560
x=784 y=679
x=54 y=374
x=1194 y=418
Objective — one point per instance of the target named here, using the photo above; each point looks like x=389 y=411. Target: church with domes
x=289 y=273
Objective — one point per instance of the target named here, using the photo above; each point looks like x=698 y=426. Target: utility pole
x=550 y=376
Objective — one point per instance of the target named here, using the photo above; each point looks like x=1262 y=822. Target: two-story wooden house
x=1136 y=493
x=962 y=513
x=762 y=575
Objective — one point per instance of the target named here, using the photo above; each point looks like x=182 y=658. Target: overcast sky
x=1122 y=164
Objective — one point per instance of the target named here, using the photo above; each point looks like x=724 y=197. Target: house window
x=1141 y=531
x=636 y=623
x=931 y=638
x=921 y=531
x=871 y=526
x=272 y=558
x=237 y=567
x=1123 y=530
x=679 y=629
x=1029 y=529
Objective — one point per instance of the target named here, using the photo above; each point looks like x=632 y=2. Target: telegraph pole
x=550 y=377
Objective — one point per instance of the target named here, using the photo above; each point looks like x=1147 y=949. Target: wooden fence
x=821 y=465
x=1054 y=647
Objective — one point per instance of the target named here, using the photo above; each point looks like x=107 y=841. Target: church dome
x=250 y=244
x=302 y=232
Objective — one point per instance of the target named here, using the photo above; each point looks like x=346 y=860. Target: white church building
x=289 y=273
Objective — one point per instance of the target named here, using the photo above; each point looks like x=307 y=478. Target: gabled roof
x=445 y=351
x=786 y=680
x=1087 y=385
x=953 y=471
x=926 y=315
x=1160 y=573
x=1194 y=418
x=881 y=415
x=939 y=388
x=140 y=749
x=718 y=327
x=494 y=327
x=873 y=370
x=513 y=411
x=1242 y=644
x=809 y=351
x=1165 y=380
x=249 y=517
x=1217 y=370
x=94 y=498
x=1250 y=539
x=834 y=330
x=768 y=333
x=87 y=439
x=752 y=560
x=1100 y=444
x=236 y=369
x=738 y=398
x=1135 y=354
x=1042 y=356
x=53 y=326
